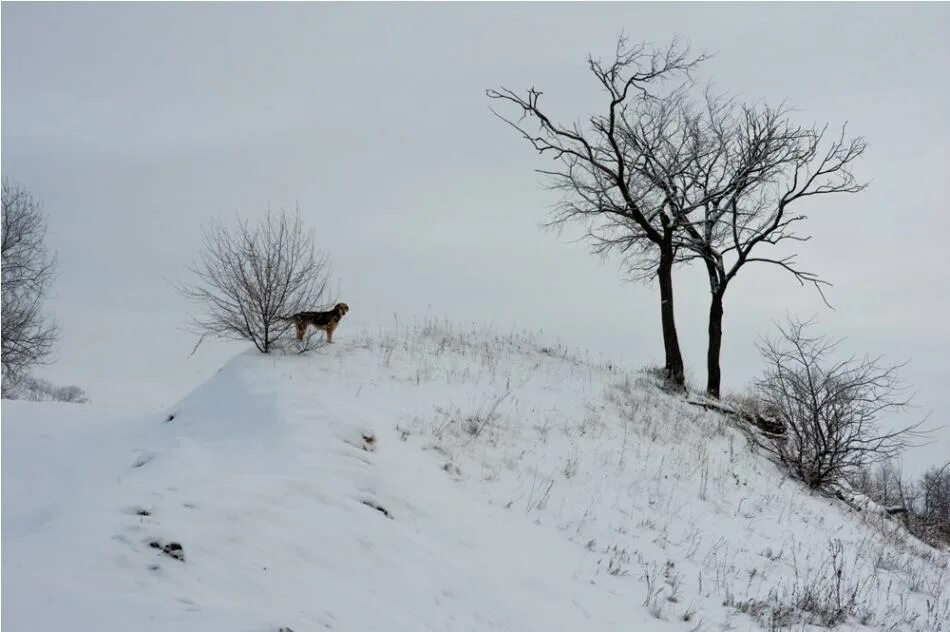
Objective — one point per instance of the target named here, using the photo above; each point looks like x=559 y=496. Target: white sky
x=137 y=123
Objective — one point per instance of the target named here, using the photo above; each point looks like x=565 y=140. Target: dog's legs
x=301 y=330
x=330 y=329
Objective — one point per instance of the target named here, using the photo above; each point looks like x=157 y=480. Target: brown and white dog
x=327 y=321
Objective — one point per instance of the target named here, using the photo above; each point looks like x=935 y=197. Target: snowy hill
x=433 y=479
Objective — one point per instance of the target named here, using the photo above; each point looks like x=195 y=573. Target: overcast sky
x=136 y=124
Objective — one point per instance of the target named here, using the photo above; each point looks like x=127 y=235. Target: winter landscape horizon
x=643 y=316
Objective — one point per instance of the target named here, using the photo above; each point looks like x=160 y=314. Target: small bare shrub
x=249 y=280
x=39 y=390
x=922 y=506
x=935 y=502
x=830 y=407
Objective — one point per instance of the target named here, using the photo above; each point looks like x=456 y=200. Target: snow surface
x=433 y=478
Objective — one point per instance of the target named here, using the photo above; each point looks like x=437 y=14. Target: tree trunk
x=713 y=373
x=674 y=359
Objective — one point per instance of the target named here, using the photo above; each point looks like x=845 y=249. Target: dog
x=327 y=321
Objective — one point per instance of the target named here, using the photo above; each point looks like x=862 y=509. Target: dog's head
x=341 y=309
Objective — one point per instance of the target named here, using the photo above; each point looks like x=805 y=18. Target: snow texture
x=433 y=478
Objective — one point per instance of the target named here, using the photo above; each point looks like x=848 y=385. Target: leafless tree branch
x=250 y=279
x=748 y=165
x=831 y=408
x=622 y=173
x=28 y=270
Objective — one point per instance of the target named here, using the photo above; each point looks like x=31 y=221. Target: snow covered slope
x=433 y=479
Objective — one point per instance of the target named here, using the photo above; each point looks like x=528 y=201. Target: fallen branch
x=770 y=426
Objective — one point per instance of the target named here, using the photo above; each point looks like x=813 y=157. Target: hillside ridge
x=435 y=477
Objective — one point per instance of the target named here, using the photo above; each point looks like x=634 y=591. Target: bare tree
x=746 y=167
x=621 y=174
x=28 y=269
x=936 y=500
x=761 y=168
x=831 y=408
x=923 y=505
x=248 y=280
x=666 y=178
